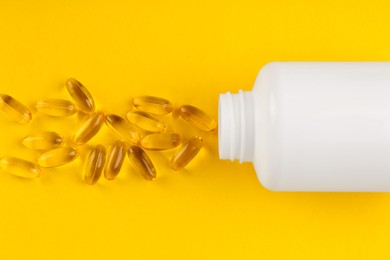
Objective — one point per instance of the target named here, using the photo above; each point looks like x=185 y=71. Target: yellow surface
x=187 y=51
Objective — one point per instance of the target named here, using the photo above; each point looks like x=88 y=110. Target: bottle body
x=317 y=126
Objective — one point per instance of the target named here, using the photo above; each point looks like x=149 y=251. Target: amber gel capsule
x=122 y=128
x=43 y=141
x=116 y=155
x=154 y=105
x=20 y=167
x=95 y=164
x=197 y=118
x=145 y=121
x=57 y=157
x=142 y=163
x=56 y=107
x=186 y=153
x=89 y=128
x=160 y=141
x=80 y=95
x=14 y=110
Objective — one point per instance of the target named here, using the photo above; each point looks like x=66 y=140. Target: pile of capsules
x=138 y=131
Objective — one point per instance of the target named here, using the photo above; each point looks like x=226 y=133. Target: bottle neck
x=236 y=126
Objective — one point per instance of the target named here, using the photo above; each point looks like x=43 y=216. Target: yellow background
x=189 y=52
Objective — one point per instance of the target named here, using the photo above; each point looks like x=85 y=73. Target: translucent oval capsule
x=122 y=128
x=14 y=110
x=142 y=163
x=186 y=153
x=43 y=141
x=95 y=164
x=154 y=105
x=89 y=128
x=197 y=118
x=57 y=157
x=116 y=155
x=160 y=141
x=20 y=167
x=56 y=107
x=81 y=96
x=145 y=121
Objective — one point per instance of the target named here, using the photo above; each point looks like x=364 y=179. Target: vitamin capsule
x=122 y=128
x=145 y=121
x=154 y=105
x=186 y=153
x=80 y=95
x=95 y=164
x=116 y=155
x=57 y=157
x=14 y=110
x=160 y=141
x=142 y=163
x=56 y=107
x=89 y=128
x=197 y=117
x=20 y=167
x=43 y=141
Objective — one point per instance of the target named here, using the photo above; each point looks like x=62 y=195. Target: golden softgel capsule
x=145 y=121
x=154 y=105
x=95 y=164
x=116 y=155
x=57 y=157
x=89 y=128
x=197 y=118
x=160 y=141
x=122 y=128
x=14 y=110
x=20 y=167
x=56 y=107
x=43 y=141
x=81 y=96
x=142 y=163
x=186 y=153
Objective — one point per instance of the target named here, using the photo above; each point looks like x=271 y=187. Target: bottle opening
x=236 y=126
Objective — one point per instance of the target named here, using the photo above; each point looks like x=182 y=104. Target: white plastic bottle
x=312 y=126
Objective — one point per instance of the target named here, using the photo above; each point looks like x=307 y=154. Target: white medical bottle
x=312 y=126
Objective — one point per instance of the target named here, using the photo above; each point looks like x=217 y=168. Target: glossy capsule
x=80 y=95
x=57 y=157
x=197 y=118
x=122 y=128
x=160 y=141
x=95 y=164
x=116 y=155
x=186 y=153
x=20 y=167
x=153 y=105
x=89 y=128
x=43 y=141
x=14 y=110
x=56 y=107
x=145 y=121
x=142 y=163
